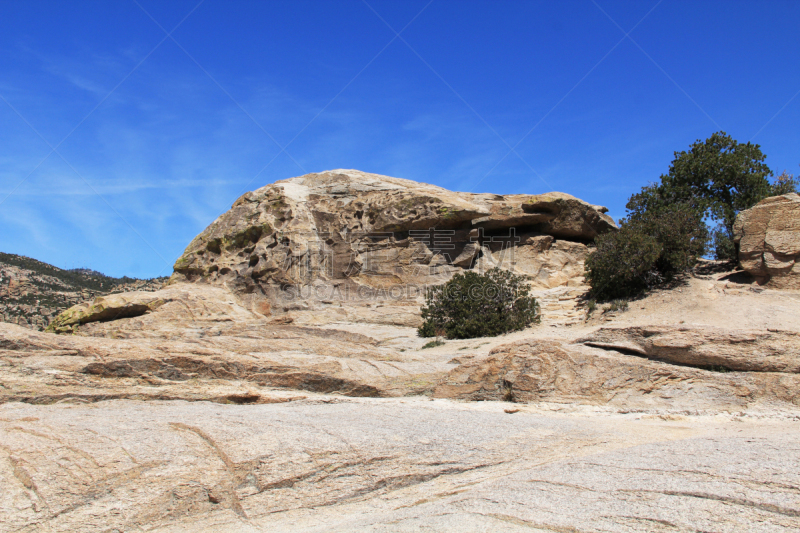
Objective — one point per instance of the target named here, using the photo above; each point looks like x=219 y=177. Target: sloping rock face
x=200 y=343
x=390 y=465
x=202 y=414
x=541 y=370
x=705 y=347
x=340 y=232
x=768 y=235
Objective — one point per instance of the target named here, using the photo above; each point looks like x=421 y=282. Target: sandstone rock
x=258 y=398
x=333 y=464
x=347 y=230
x=705 y=347
x=768 y=235
x=105 y=308
x=202 y=344
x=540 y=370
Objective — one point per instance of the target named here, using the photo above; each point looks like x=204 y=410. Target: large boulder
x=337 y=232
x=768 y=235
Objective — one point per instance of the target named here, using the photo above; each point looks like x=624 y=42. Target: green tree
x=652 y=247
x=478 y=305
x=718 y=177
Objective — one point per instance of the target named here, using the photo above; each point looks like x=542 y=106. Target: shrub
x=784 y=184
x=618 y=305
x=622 y=264
x=433 y=344
x=651 y=247
x=478 y=305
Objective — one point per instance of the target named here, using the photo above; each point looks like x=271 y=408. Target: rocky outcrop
x=705 y=347
x=200 y=343
x=106 y=308
x=232 y=400
x=542 y=370
x=344 y=231
x=768 y=235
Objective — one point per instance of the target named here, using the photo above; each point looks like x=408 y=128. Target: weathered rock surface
x=705 y=347
x=541 y=370
x=252 y=395
x=768 y=235
x=200 y=344
x=332 y=464
x=106 y=308
x=345 y=231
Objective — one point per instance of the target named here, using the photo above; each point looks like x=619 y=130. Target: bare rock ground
x=337 y=464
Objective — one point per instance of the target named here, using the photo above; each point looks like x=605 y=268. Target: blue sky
x=157 y=133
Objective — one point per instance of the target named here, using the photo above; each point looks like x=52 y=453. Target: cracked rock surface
x=327 y=464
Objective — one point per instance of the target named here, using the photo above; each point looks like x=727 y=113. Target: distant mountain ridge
x=32 y=292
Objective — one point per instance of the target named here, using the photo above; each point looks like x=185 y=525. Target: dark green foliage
x=433 y=344
x=652 y=247
x=680 y=231
x=665 y=231
x=717 y=177
x=622 y=264
x=723 y=174
x=478 y=305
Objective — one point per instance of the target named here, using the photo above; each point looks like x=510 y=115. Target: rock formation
x=540 y=370
x=705 y=347
x=343 y=231
x=235 y=399
x=768 y=235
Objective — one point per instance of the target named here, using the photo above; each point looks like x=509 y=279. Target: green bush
x=651 y=247
x=478 y=305
x=433 y=344
x=622 y=264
